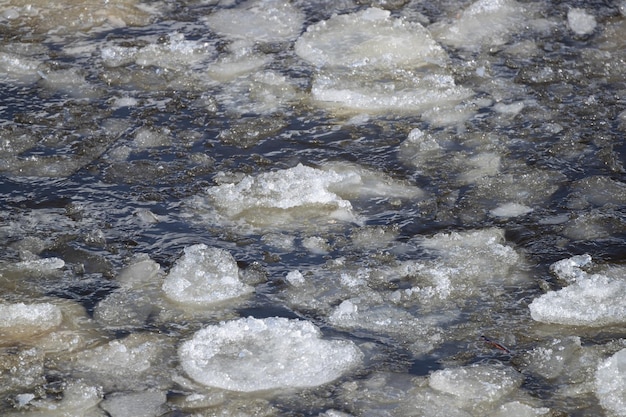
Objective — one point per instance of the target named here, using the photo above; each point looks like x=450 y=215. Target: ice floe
x=589 y=300
x=376 y=66
x=296 y=198
x=265 y=354
x=204 y=276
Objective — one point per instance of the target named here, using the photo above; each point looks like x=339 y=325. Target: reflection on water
x=409 y=187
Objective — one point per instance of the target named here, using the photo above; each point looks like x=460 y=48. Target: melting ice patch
x=204 y=276
x=381 y=64
x=264 y=354
x=295 y=198
x=590 y=299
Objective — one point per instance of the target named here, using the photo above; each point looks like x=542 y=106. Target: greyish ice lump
x=251 y=354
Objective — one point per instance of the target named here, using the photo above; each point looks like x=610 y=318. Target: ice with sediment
x=590 y=299
x=204 y=276
x=610 y=384
x=297 y=197
x=252 y=354
x=381 y=64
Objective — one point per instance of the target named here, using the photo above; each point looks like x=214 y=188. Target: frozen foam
x=590 y=300
x=610 y=383
x=204 y=276
x=264 y=354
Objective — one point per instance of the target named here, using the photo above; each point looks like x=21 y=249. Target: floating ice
x=264 y=354
x=258 y=21
x=24 y=320
x=135 y=404
x=610 y=383
x=370 y=38
x=518 y=409
x=591 y=300
x=297 y=197
x=204 y=276
x=376 y=66
x=580 y=21
x=476 y=383
x=483 y=23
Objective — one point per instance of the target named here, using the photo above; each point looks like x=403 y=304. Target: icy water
x=321 y=208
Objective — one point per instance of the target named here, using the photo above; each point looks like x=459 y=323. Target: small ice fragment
x=251 y=354
x=295 y=278
x=610 y=383
x=42 y=265
x=204 y=276
x=510 y=210
x=581 y=22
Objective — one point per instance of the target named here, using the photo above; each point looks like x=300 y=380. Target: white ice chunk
x=204 y=276
x=610 y=384
x=476 y=383
x=298 y=197
x=28 y=319
x=150 y=138
x=580 y=21
x=483 y=23
x=264 y=354
x=590 y=300
x=258 y=21
x=370 y=38
x=569 y=269
x=18 y=68
x=510 y=210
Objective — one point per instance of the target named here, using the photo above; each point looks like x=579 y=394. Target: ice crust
x=204 y=276
x=590 y=299
x=610 y=383
x=251 y=354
